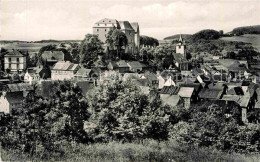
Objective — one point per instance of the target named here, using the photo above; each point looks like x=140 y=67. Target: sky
x=32 y=20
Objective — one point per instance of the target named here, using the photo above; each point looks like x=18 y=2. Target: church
x=180 y=57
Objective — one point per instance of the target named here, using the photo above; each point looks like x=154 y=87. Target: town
x=116 y=84
x=187 y=81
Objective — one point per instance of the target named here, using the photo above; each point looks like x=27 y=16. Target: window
x=97 y=24
x=9 y=66
x=97 y=29
x=17 y=66
x=9 y=59
x=105 y=24
x=17 y=59
x=105 y=29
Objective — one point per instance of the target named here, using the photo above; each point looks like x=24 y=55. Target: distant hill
x=246 y=30
x=55 y=41
x=146 y=40
x=177 y=36
x=207 y=34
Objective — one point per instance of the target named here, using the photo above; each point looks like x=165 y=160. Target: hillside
x=177 y=36
x=207 y=34
x=246 y=30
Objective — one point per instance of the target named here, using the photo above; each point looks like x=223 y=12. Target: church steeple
x=180 y=39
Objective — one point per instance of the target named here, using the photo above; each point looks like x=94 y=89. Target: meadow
x=254 y=39
x=148 y=150
x=24 y=46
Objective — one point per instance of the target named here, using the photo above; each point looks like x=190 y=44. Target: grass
x=254 y=39
x=149 y=150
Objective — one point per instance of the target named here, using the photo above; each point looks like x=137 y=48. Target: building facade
x=64 y=70
x=15 y=61
x=131 y=30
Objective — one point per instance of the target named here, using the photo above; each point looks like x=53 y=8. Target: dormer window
x=97 y=24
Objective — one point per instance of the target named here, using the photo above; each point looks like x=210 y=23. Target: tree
x=116 y=38
x=90 y=48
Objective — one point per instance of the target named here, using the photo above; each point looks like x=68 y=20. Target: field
x=30 y=47
x=254 y=39
x=147 y=151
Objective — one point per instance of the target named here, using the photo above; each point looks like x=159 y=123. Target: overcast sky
x=72 y=19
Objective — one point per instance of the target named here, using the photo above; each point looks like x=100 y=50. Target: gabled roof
x=119 y=64
x=235 y=91
x=172 y=90
x=125 y=25
x=135 y=64
x=243 y=101
x=53 y=55
x=169 y=82
x=210 y=93
x=14 y=53
x=83 y=71
x=65 y=66
x=186 y=91
x=196 y=86
x=150 y=76
x=107 y=21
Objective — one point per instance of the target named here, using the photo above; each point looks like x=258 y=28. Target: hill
x=207 y=34
x=177 y=36
x=246 y=30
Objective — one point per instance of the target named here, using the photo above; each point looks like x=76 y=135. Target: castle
x=131 y=30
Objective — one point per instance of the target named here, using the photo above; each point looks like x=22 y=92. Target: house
x=169 y=95
x=34 y=74
x=169 y=76
x=180 y=62
x=151 y=79
x=86 y=74
x=187 y=94
x=197 y=87
x=15 y=61
x=12 y=96
x=64 y=70
x=120 y=66
x=135 y=66
x=52 y=57
x=243 y=102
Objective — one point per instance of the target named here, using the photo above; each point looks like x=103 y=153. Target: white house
x=64 y=70
x=10 y=101
x=15 y=61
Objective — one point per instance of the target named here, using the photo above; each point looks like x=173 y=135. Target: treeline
x=150 y=41
x=247 y=30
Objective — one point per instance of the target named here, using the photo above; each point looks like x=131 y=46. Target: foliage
x=177 y=36
x=246 y=30
x=43 y=126
x=207 y=34
x=116 y=38
x=148 y=41
x=90 y=48
x=120 y=112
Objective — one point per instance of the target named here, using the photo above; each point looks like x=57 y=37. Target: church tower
x=181 y=47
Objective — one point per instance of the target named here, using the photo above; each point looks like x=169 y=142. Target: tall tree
x=90 y=47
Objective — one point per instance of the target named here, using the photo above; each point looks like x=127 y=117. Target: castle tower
x=181 y=47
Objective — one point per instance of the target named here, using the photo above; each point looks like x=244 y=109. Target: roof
x=210 y=93
x=14 y=97
x=169 y=82
x=196 y=86
x=235 y=91
x=65 y=66
x=172 y=90
x=219 y=86
x=150 y=76
x=125 y=25
x=140 y=82
x=257 y=105
x=243 y=101
x=83 y=71
x=176 y=76
x=53 y=55
x=120 y=64
x=135 y=26
x=171 y=100
x=186 y=91
x=107 y=21
x=14 y=53
x=18 y=87
x=145 y=89
x=135 y=64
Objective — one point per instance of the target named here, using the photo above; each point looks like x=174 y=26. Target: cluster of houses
x=225 y=82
